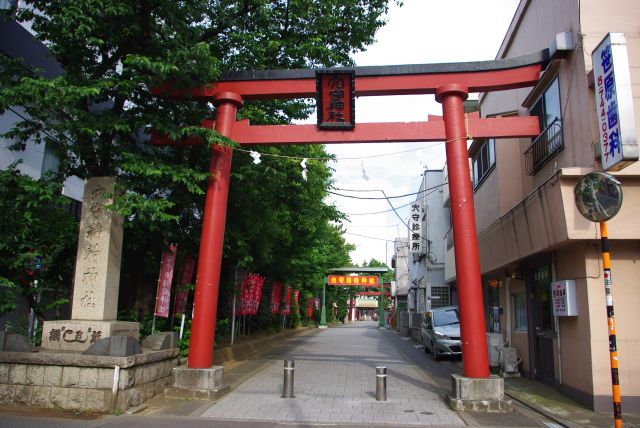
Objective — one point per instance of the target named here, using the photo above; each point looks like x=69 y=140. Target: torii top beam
x=414 y=79
x=479 y=76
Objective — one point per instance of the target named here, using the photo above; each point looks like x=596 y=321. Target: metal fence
x=22 y=320
x=19 y=320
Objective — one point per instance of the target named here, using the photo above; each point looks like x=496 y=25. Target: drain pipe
x=556 y=320
x=508 y=314
x=114 y=389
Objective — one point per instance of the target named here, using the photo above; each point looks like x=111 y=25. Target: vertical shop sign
x=614 y=103
x=415 y=228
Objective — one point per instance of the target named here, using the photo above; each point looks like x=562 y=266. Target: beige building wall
x=520 y=217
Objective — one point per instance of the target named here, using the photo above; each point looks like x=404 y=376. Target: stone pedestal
x=200 y=384
x=478 y=394
x=78 y=335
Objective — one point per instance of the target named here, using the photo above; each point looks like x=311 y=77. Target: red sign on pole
x=186 y=274
x=250 y=294
x=276 y=290
x=310 y=307
x=287 y=301
x=163 y=292
x=347 y=280
x=335 y=99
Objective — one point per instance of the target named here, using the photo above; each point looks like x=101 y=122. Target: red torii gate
x=451 y=84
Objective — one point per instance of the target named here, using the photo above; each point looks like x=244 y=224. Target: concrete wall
x=79 y=382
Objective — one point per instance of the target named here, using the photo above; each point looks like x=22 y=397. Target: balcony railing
x=548 y=143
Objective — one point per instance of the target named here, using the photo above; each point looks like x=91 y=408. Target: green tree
x=37 y=243
x=388 y=276
x=97 y=116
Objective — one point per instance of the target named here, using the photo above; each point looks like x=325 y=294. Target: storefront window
x=519 y=312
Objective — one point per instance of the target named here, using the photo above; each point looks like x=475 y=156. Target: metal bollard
x=381 y=384
x=287 y=388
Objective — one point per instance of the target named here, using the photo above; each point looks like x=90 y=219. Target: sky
x=419 y=32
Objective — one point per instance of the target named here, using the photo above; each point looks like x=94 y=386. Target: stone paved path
x=335 y=379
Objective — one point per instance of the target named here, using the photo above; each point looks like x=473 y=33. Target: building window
x=483 y=162
x=547 y=109
x=440 y=297
x=519 y=312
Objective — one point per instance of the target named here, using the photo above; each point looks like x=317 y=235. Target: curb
x=563 y=422
x=242 y=351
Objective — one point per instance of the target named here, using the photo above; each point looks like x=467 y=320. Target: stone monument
x=68 y=373
x=97 y=276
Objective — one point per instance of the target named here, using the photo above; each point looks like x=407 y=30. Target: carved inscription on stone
x=70 y=336
x=93 y=250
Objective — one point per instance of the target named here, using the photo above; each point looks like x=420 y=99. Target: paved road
x=335 y=382
x=334 y=386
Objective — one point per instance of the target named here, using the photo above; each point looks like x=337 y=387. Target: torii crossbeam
x=451 y=83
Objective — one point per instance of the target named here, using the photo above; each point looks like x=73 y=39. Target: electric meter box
x=564 y=298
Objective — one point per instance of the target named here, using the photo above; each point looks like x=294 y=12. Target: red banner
x=250 y=294
x=163 y=292
x=310 y=306
x=286 y=310
x=296 y=294
x=276 y=290
x=186 y=275
x=362 y=281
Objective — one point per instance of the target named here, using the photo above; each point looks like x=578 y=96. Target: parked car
x=440 y=332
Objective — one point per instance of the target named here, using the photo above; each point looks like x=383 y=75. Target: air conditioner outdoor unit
x=509 y=362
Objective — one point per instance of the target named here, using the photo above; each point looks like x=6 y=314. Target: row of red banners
x=163 y=292
x=250 y=290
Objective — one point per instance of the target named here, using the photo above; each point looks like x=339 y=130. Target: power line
x=379 y=212
x=373 y=227
x=394 y=210
x=380 y=190
x=369 y=237
x=336 y=159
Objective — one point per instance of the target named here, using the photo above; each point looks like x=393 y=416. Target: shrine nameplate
x=335 y=99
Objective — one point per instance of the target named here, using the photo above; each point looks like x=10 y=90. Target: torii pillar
x=464 y=231
x=477 y=389
x=206 y=377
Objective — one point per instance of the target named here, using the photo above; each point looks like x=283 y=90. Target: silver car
x=440 y=332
